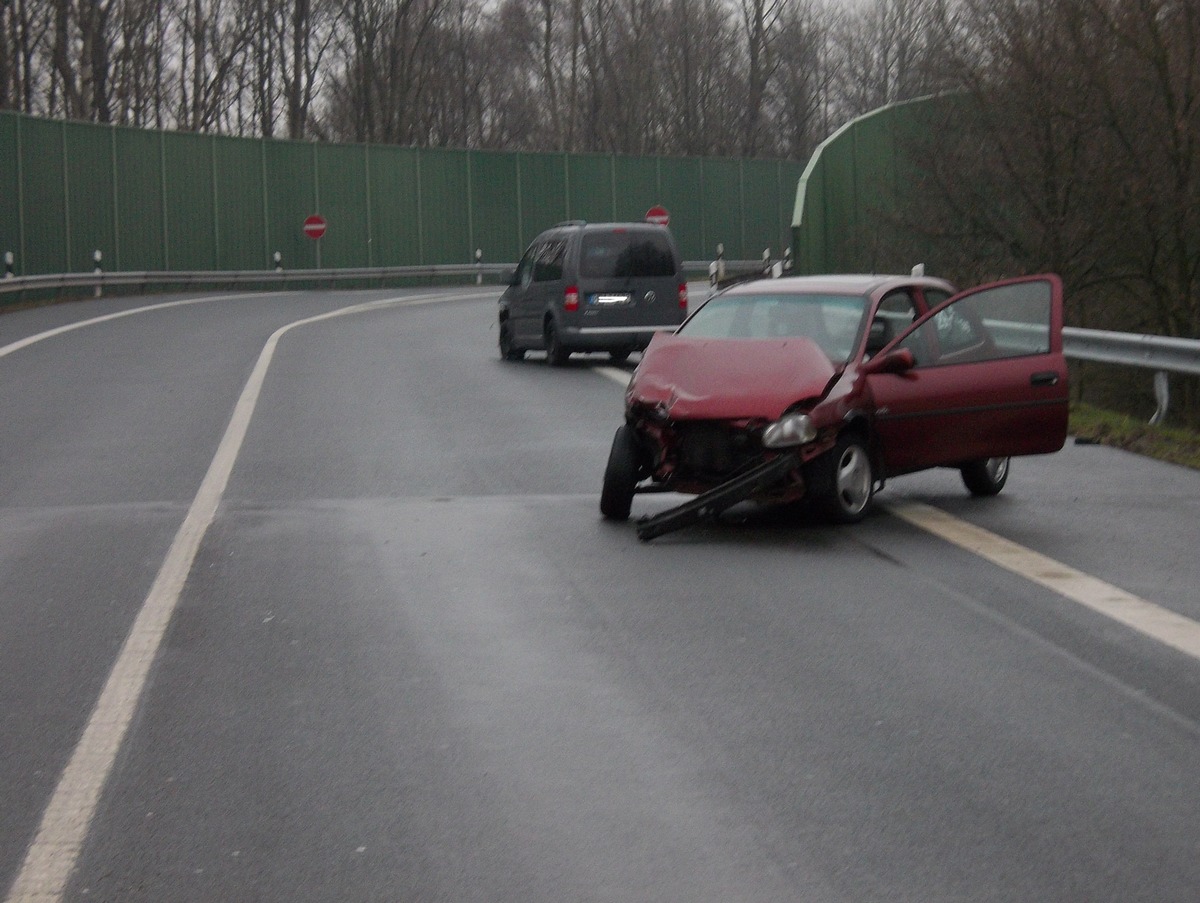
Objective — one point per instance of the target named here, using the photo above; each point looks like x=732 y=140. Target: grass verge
x=1165 y=443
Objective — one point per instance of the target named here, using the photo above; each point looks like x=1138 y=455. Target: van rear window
x=619 y=255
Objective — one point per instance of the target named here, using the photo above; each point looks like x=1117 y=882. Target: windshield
x=624 y=253
x=832 y=321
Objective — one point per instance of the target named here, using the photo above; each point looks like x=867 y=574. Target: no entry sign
x=658 y=215
x=314 y=226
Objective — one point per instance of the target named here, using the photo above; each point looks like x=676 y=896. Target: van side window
x=524 y=274
x=548 y=265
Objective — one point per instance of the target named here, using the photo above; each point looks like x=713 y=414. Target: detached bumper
x=716 y=500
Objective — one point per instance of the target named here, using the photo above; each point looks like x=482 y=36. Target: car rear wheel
x=621 y=475
x=556 y=354
x=509 y=351
x=985 y=477
x=849 y=481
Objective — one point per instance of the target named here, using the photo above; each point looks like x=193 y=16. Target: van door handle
x=1048 y=378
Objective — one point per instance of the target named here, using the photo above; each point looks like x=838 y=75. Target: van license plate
x=611 y=299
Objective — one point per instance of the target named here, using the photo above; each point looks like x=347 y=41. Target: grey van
x=593 y=287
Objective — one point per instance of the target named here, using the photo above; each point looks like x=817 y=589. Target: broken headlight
x=789 y=430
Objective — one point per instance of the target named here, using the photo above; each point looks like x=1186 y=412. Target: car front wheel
x=985 y=477
x=621 y=475
x=556 y=354
x=849 y=481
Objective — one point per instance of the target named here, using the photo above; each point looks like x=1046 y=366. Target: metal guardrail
x=1161 y=354
x=97 y=281
x=1151 y=351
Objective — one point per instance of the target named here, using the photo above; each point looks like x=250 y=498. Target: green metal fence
x=843 y=220
x=174 y=201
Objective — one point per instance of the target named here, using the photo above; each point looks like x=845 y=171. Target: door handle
x=1047 y=378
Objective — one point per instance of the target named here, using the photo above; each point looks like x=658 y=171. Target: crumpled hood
x=726 y=379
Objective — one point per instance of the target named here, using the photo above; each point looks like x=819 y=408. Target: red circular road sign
x=314 y=226
x=658 y=215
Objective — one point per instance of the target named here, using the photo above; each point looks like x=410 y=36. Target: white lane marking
x=1147 y=618
x=50 y=333
x=616 y=374
x=51 y=856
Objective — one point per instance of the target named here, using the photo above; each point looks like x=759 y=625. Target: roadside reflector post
x=766 y=260
x=720 y=261
x=479 y=266
x=787 y=260
x=278 y=257
x=8 y=265
x=96 y=257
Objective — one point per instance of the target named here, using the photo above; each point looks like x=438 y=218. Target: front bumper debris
x=716 y=500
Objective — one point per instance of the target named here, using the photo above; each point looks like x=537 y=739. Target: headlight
x=791 y=429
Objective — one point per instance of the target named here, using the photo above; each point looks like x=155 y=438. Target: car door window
x=1011 y=320
x=895 y=314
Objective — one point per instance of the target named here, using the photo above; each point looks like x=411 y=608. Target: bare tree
x=803 y=76
x=761 y=22
x=888 y=50
x=384 y=64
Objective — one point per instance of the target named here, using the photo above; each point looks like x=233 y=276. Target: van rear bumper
x=604 y=337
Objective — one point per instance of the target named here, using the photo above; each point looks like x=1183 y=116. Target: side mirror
x=899 y=361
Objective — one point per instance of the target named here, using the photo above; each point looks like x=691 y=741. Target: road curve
x=410 y=662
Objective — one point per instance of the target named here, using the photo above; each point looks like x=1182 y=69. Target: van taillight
x=571 y=298
x=683 y=296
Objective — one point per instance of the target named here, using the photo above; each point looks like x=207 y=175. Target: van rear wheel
x=556 y=354
x=509 y=351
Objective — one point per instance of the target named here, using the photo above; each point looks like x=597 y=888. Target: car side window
x=895 y=313
x=934 y=297
x=548 y=263
x=1005 y=321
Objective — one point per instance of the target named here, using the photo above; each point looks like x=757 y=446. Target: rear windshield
x=622 y=254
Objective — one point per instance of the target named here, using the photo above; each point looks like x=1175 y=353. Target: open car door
x=989 y=379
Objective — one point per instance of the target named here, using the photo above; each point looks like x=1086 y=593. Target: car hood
x=727 y=379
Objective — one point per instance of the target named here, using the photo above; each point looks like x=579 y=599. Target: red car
x=825 y=386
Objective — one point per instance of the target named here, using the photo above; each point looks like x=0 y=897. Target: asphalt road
x=410 y=662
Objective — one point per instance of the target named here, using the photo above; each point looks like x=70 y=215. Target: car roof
x=840 y=283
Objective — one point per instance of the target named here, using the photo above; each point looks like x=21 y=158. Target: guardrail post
x=1162 y=396
x=787 y=260
x=96 y=257
x=479 y=266
x=8 y=265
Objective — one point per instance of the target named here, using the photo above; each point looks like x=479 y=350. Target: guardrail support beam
x=1162 y=396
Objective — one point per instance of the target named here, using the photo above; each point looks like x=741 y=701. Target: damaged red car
x=823 y=387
